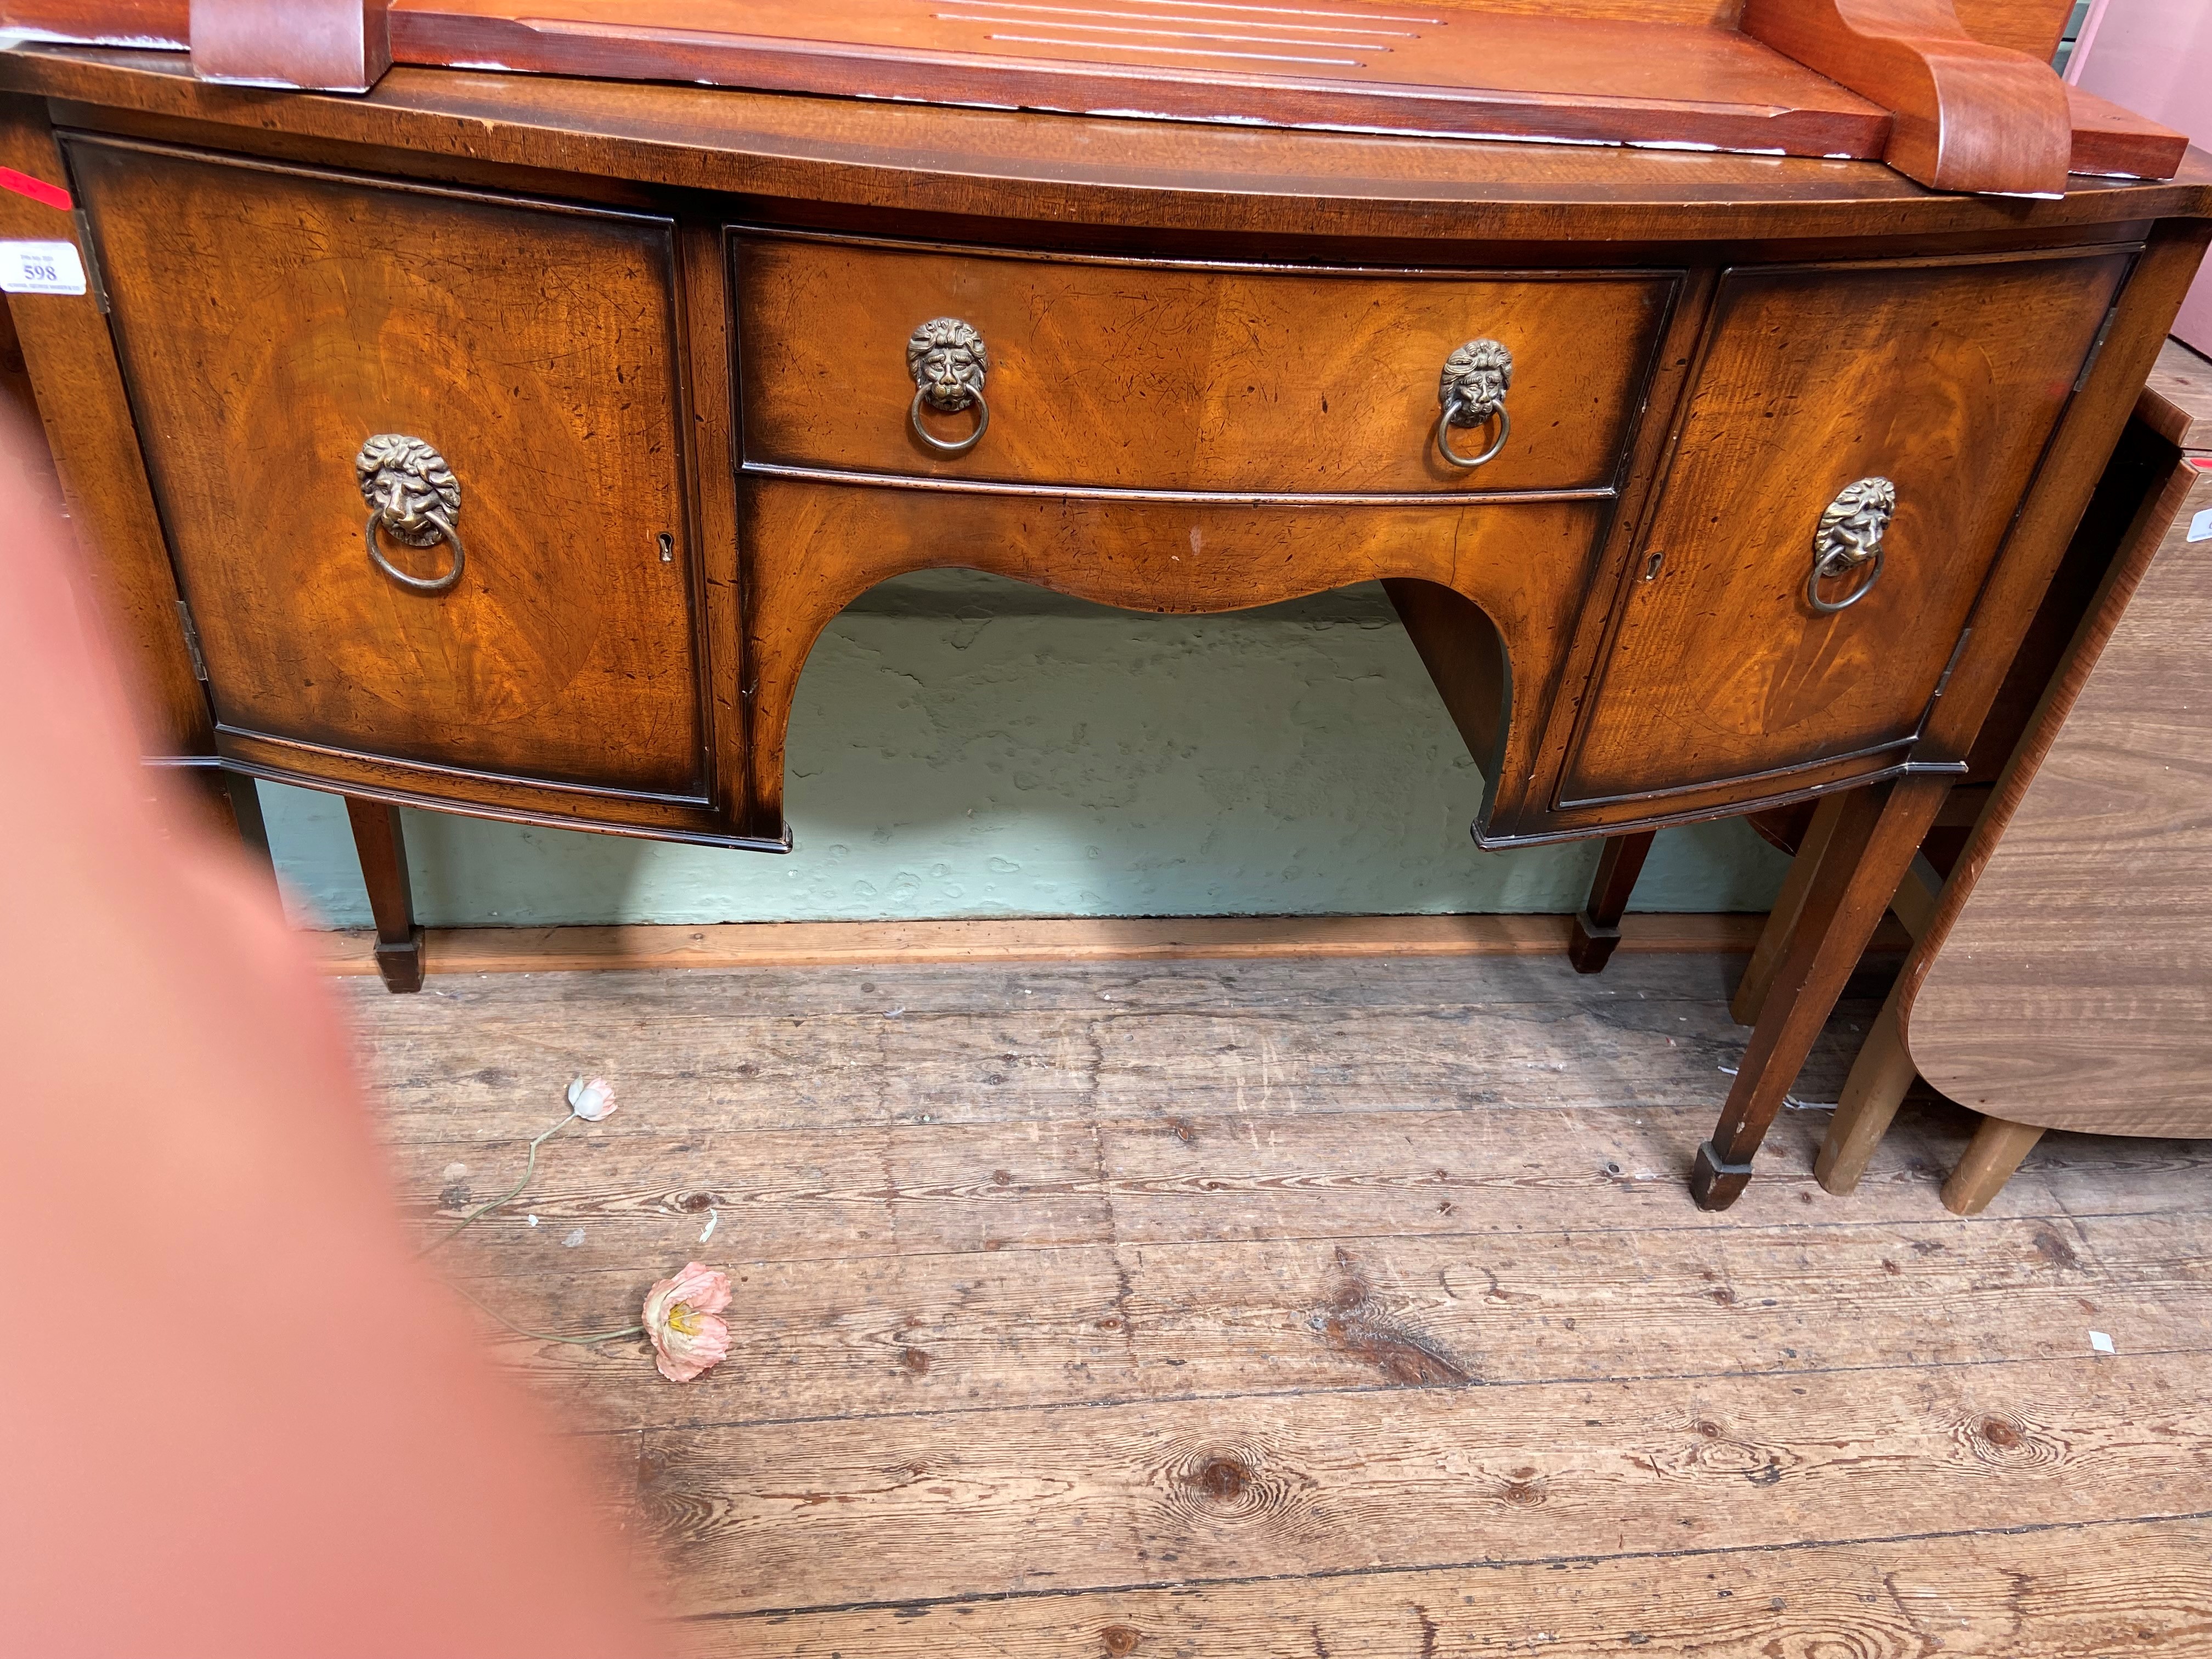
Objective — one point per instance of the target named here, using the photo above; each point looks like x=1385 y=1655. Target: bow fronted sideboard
x=501 y=443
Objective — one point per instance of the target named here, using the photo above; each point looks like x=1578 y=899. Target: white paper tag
x=2200 y=527
x=40 y=268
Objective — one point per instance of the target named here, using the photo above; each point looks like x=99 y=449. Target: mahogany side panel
x=70 y=358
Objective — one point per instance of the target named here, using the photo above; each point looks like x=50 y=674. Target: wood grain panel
x=1343 y=64
x=1095 y=179
x=270 y=320
x=2041 y=1592
x=1967 y=115
x=996 y=1501
x=1946 y=379
x=1402 y=1381
x=861 y=1336
x=2029 y=26
x=2034 y=27
x=1167 y=376
x=2070 y=990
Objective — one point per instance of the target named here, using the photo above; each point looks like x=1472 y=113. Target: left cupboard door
x=270 y=322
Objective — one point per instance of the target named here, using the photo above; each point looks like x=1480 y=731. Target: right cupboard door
x=1945 y=380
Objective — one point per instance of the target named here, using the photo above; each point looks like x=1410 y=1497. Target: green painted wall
x=967 y=746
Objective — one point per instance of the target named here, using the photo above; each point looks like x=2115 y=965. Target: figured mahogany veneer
x=1167 y=375
x=659 y=335
x=1946 y=379
x=270 y=319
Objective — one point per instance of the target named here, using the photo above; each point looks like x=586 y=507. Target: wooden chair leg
x=1782 y=921
x=1876 y=834
x=383 y=851
x=1876 y=1087
x=1991 y=1157
x=1597 y=929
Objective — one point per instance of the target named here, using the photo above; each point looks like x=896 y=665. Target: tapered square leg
x=1782 y=921
x=383 y=852
x=1877 y=832
x=1596 y=931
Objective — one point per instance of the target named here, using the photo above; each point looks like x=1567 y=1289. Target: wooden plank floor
x=1316 y=1309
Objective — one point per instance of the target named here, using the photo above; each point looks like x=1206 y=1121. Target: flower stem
x=529 y=1172
x=541 y=1336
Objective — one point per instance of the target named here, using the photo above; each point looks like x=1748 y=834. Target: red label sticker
x=37 y=189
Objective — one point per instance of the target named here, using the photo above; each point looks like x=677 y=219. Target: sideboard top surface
x=1072 y=170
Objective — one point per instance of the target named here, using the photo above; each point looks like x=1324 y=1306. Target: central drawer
x=1170 y=376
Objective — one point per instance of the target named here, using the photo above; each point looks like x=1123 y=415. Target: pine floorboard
x=1315 y=1309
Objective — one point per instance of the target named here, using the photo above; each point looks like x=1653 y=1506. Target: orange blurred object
x=237 y=1417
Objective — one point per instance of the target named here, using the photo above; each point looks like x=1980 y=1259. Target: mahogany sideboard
x=501 y=444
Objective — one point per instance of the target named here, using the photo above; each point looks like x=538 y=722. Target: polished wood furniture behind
x=1961 y=97
x=2059 y=979
x=505 y=443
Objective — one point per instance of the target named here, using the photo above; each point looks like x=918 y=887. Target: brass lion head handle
x=413 y=497
x=1849 y=539
x=1473 y=391
x=948 y=362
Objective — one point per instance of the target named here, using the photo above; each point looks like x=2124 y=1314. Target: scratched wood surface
x=1313 y=1308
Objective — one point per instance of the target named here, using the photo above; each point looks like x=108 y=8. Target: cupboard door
x=1945 y=380
x=271 y=321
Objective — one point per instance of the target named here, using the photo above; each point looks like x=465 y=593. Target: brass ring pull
x=1473 y=391
x=1445 y=423
x=958 y=446
x=414 y=498
x=418 y=584
x=1850 y=539
x=949 y=365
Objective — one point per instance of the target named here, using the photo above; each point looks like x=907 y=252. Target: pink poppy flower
x=679 y=1316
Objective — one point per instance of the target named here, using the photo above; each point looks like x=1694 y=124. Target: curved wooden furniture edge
x=1968 y=116
x=2177 y=403
x=1070 y=170
x=2137 y=551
